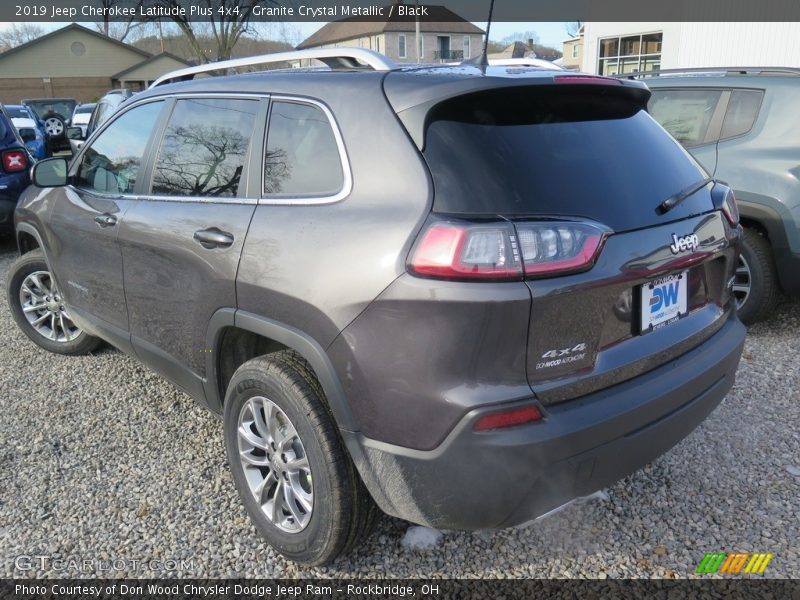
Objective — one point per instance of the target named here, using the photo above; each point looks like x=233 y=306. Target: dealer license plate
x=663 y=301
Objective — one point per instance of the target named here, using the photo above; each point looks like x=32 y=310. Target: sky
x=550 y=33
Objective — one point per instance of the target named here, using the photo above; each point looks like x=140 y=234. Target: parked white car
x=81 y=116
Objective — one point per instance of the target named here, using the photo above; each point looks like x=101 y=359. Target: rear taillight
x=466 y=251
x=730 y=209
x=555 y=248
x=508 y=418
x=14 y=161
x=504 y=250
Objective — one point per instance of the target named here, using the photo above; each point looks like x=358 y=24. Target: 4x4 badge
x=682 y=244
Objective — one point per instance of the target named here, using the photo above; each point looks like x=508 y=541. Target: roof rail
x=333 y=57
x=720 y=70
x=524 y=62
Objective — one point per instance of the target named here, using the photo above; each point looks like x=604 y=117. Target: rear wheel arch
x=236 y=336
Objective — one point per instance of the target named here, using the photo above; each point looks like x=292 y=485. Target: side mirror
x=74 y=133
x=27 y=135
x=51 y=172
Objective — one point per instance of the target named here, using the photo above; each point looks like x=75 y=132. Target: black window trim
x=347 y=176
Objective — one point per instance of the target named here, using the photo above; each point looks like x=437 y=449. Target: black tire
x=343 y=512
x=764 y=289
x=33 y=261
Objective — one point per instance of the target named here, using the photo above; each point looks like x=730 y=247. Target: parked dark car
x=15 y=163
x=465 y=295
x=54 y=114
x=740 y=124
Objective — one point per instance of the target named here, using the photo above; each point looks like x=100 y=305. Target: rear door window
x=302 y=156
x=741 y=113
x=686 y=113
x=205 y=147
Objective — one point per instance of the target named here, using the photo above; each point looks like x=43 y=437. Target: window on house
x=574 y=50
x=302 y=157
x=467 y=53
x=401 y=45
x=629 y=54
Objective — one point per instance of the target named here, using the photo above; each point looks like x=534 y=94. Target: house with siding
x=443 y=37
x=77 y=62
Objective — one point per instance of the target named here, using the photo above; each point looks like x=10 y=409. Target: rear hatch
x=568 y=180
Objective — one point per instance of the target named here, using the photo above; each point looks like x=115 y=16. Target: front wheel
x=289 y=463
x=38 y=308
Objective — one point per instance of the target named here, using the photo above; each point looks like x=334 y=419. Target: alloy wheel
x=53 y=126
x=742 y=281
x=275 y=464
x=44 y=308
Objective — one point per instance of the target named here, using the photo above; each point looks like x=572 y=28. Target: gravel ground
x=103 y=460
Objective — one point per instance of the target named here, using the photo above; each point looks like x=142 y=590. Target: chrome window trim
x=162 y=198
x=347 y=183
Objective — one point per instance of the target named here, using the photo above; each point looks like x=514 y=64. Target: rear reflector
x=591 y=79
x=508 y=418
x=14 y=161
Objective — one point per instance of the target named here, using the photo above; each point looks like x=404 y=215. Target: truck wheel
x=289 y=463
x=38 y=308
x=756 y=282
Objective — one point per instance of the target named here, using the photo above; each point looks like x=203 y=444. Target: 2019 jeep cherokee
x=400 y=287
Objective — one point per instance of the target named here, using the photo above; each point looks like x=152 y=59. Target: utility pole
x=416 y=31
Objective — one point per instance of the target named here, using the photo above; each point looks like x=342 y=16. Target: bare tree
x=18 y=34
x=573 y=27
x=119 y=30
x=227 y=21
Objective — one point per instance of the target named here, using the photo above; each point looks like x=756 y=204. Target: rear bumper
x=506 y=478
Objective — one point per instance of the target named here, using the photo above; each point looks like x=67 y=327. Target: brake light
x=730 y=209
x=556 y=248
x=463 y=251
x=505 y=251
x=592 y=79
x=14 y=161
x=508 y=418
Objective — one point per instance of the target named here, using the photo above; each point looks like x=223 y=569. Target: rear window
x=18 y=113
x=47 y=108
x=570 y=152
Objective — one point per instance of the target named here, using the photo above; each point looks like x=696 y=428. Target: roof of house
x=74 y=27
x=153 y=58
x=439 y=19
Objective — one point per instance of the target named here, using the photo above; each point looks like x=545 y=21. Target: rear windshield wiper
x=676 y=199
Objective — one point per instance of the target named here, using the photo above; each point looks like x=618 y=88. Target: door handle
x=213 y=238
x=105 y=220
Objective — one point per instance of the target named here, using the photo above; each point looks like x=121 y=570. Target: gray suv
x=740 y=124
x=465 y=295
